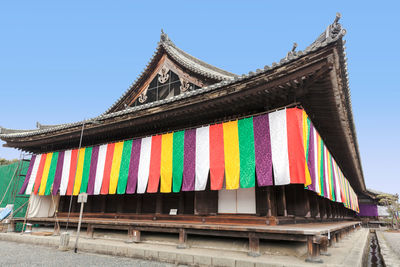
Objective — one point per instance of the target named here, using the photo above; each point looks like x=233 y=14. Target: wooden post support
x=324 y=246
x=133 y=236
x=332 y=241
x=322 y=208
x=317 y=210
x=313 y=249
x=56 y=228
x=307 y=208
x=254 y=245
x=103 y=204
x=269 y=210
x=182 y=238
x=159 y=204
x=337 y=237
x=139 y=204
x=181 y=208
x=284 y=201
x=89 y=231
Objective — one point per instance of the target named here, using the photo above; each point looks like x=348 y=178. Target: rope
x=55 y=212
x=14 y=212
x=70 y=200
x=26 y=213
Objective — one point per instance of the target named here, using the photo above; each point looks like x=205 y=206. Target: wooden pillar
x=313 y=250
x=328 y=208
x=74 y=208
x=269 y=201
x=337 y=216
x=121 y=203
x=181 y=208
x=322 y=208
x=307 y=208
x=254 y=245
x=337 y=237
x=324 y=247
x=159 y=203
x=270 y=198
x=103 y=204
x=291 y=200
x=297 y=201
x=90 y=231
x=139 y=204
x=314 y=205
x=89 y=205
x=182 y=238
x=283 y=199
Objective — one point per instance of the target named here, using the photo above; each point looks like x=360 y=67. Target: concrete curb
x=168 y=254
x=389 y=256
x=355 y=256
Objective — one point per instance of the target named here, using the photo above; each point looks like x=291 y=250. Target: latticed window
x=164 y=86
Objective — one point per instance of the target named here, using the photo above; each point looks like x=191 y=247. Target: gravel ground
x=16 y=254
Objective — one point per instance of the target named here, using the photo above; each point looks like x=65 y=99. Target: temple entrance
x=240 y=201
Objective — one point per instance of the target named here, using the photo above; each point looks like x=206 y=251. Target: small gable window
x=165 y=85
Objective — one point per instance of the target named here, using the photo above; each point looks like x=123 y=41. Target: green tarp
x=10 y=173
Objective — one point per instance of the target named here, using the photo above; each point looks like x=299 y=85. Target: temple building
x=190 y=147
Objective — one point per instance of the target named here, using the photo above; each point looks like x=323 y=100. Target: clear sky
x=66 y=61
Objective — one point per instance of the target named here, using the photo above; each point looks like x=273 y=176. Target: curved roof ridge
x=194 y=64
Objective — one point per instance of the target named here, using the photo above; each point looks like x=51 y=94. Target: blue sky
x=66 y=61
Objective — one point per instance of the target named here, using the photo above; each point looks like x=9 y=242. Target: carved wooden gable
x=170 y=72
x=167 y=80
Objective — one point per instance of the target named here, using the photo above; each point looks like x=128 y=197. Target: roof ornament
x=143 y=96
x=185 y=85
x=335 y=28
x=292 y=53
x=294 y=47
x=164 y=37
x=163 y=74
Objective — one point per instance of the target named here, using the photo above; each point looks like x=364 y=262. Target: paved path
x=393 y=240
x=17 y=254
x=345 y=253
x=389 y=244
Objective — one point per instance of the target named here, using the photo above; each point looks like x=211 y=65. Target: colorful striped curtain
x=279 y=148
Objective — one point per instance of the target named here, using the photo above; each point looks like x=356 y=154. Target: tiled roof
x=332 y=34
x=192 y=63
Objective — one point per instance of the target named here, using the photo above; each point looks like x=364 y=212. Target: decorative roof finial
x=164 y=36
x=335 y=29
x=294 y=47
x=338 y=16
